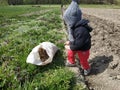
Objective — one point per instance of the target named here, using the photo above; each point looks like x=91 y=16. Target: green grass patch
x=19 y=34
x=10 y=11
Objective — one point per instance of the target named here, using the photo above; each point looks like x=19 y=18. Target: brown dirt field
x=105 y=51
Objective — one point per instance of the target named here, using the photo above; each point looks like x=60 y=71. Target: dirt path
x=108 y=14
x=105 y=51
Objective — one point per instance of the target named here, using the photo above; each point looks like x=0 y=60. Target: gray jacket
x=71 y=16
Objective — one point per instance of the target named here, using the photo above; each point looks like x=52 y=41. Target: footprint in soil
x=99 y=64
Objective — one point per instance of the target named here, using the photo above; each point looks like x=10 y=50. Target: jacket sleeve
x=79 y=41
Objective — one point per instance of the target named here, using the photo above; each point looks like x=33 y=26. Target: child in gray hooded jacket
x=79 y=37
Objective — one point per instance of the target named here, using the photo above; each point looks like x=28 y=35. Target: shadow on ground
x=99 y=64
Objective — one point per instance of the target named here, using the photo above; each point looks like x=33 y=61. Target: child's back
x=82 y=37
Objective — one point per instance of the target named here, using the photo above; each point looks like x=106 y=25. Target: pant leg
x=83 y=56
x=71 y=56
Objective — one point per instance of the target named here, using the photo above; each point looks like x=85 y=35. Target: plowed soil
x=105 y=51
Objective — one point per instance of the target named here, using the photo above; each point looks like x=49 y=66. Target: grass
x=11 y=11
x=21 y=31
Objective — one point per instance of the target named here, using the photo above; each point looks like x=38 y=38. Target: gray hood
x=72 y=14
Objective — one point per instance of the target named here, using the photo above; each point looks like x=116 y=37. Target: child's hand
x=67 y=47
x=67 y=43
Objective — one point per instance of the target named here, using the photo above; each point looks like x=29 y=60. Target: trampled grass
x=20 y=31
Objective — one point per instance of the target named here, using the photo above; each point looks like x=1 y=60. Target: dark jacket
x=81 y=34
